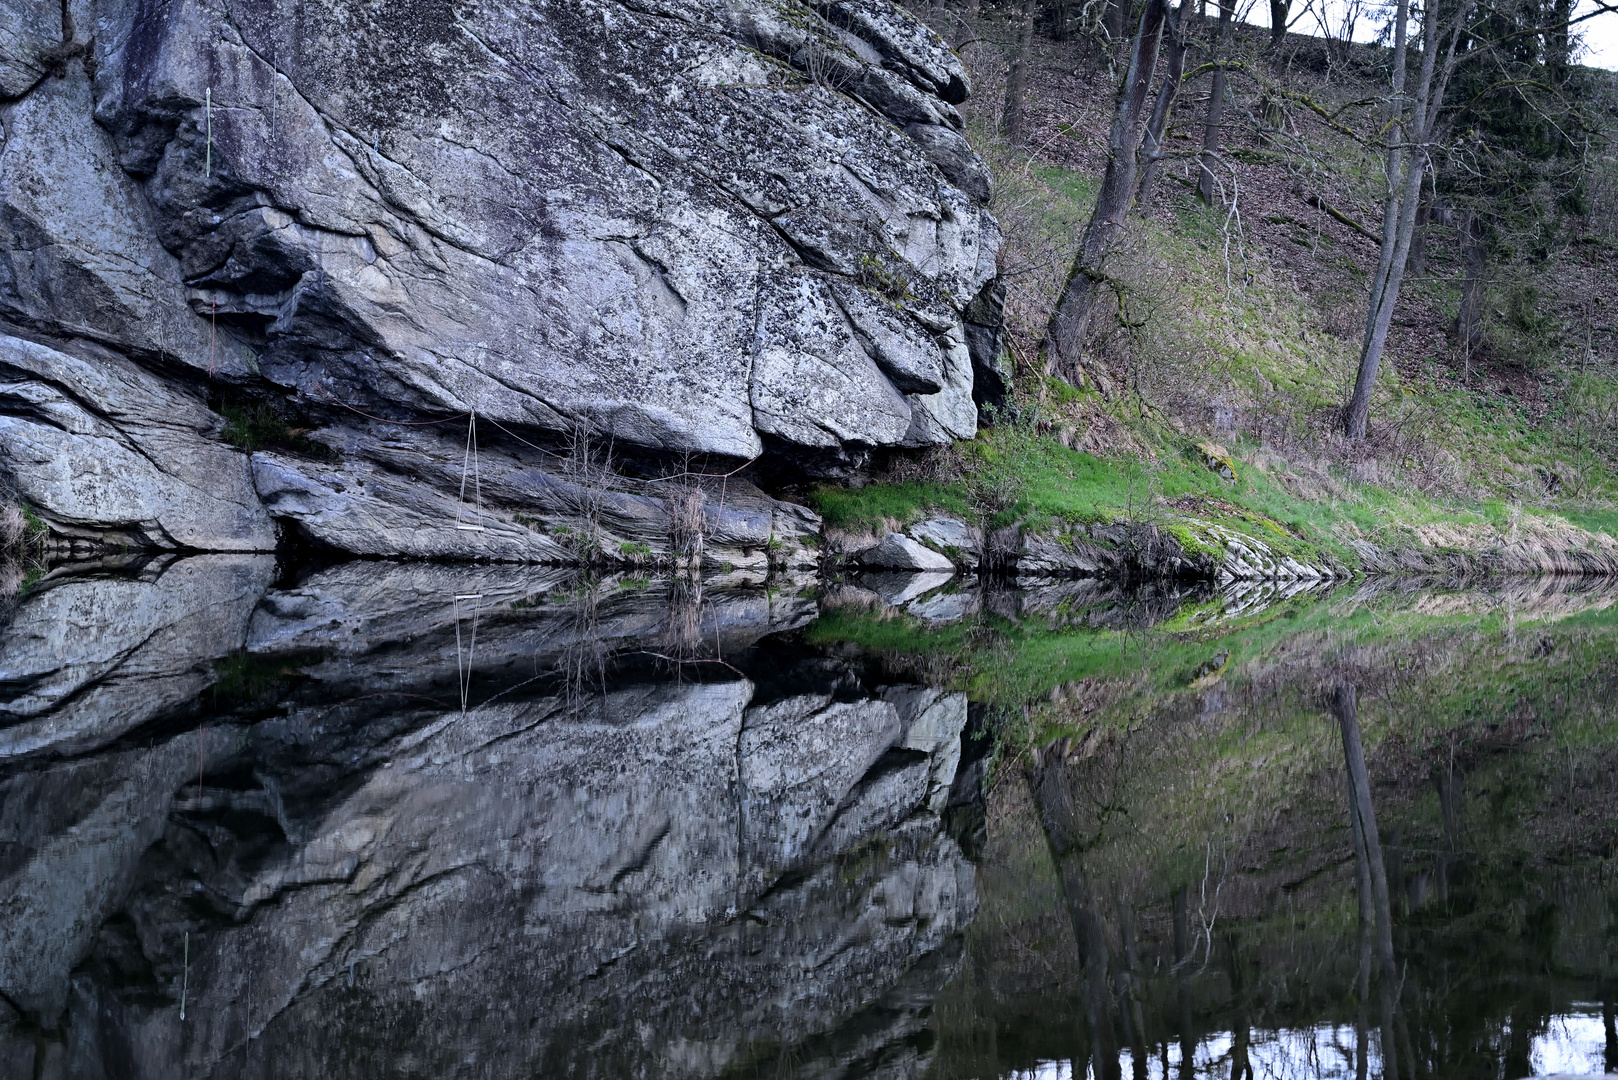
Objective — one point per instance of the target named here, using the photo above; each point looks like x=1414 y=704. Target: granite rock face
x=115 y=452
x=683 y=227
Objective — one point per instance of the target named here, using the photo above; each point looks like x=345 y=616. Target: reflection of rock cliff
x=690 y=227
x=673 y=878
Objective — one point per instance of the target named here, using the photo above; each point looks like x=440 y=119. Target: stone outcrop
x=678 y=228
x=1137 y=552
x=963 y=543
x=112 y=452
x=349 y=870
x=1535 y=546
x=897 y=552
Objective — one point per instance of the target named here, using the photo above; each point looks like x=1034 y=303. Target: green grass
x=851 y=508
x=1214 y=322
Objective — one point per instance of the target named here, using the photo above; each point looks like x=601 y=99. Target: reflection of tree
x=1241 y=1067
x=1182 y=979
x=1611 y=1024
x=1047 y=779
x=1508 y=938
x=1372 y=879
x=1129 y=991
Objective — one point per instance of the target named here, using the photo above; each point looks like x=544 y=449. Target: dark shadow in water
x=610 y=835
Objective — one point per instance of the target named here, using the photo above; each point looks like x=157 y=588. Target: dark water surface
x=411 y=820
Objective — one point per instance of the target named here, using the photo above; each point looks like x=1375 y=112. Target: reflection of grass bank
x=22 y=546
x=1234 y=790
x=1030 y=658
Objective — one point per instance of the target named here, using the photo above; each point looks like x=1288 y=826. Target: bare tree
x=1409 y=128
x=1279 y=11
x=1216 y=105
x=969 y=24
x=1174 y=55
x=1070 y=322
x=1017 y=75
x=1373 y=878
x=1116 y=19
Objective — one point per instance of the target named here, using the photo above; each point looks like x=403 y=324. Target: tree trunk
x=1468 y=328
x=1399 y=209
x=1345 y=706
x=1116 y=19
x=1070 y=322
x=1390 y=165
x=1156 y=127
x=1206 y=177
x=1017 y=76
x=1279 y=10
x=1418 y=242
x=1558 y=42
x=969 y=25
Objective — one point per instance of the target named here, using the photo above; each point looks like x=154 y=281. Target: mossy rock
x=1192 y=544
x=1217 y=459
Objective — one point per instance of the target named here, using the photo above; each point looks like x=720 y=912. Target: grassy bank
x=1022 y=473
x=1237 y=326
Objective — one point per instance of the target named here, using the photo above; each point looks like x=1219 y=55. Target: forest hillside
x=1232 y=328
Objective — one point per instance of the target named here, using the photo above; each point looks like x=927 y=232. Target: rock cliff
x=679 y=230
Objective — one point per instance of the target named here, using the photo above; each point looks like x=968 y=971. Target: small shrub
x=262 y=426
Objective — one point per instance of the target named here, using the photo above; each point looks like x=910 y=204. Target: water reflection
x=1370 y=837
x=388 y=819
x=1573 y=1043
x=407 y=819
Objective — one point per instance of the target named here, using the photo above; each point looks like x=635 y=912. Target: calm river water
x=411 y=820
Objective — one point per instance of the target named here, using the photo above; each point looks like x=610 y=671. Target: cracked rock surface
x=701 y=227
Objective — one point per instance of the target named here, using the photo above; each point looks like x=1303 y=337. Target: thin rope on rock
x=463 y=671
x=471 y=455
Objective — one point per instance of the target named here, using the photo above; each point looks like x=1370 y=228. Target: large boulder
x=717 y=227
x=898 y=552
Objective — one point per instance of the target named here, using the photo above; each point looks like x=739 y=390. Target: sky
x=1600 y=34
x=1600 y=39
